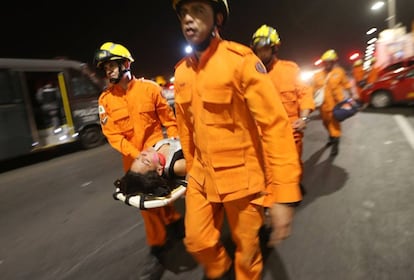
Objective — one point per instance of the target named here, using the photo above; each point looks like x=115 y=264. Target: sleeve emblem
x=260 y=67
x=102 y=115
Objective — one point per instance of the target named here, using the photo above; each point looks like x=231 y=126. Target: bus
x=45 y=103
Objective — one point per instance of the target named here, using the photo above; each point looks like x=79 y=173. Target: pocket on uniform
x=182 y=98
x=147 y=107
x=147 y=112
x=232 y=179
x=121 y=119
x=228 y=162
x=290 y=102
x=228 y=158
x=217 y=106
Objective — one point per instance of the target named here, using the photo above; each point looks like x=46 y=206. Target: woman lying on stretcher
x=156 y=177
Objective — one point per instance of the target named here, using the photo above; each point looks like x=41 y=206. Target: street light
x=371 y=30
x=391 y=11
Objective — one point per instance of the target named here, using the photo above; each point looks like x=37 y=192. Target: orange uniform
x=334 y=82
x=358 y=74
x=295 y=95
x=219 y=105
x=132 y=121
x=372 y=75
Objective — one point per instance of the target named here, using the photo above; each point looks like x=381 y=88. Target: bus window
x=83 y=87
x=16 y=137
x=46 y=99
x=8 y=95
x=48 y=96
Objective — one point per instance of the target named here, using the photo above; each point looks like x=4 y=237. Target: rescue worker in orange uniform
x=372 y=72
x=161 y=81
x=296 y=97
x=223 y=94
x=334 y=80
x=358 y=73
x=132 y=113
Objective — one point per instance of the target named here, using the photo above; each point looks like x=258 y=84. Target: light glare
x=377 y=5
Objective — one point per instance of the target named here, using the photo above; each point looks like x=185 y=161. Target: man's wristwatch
x=305 y=119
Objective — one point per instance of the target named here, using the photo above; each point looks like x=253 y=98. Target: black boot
x=330 y=141
x=152 y=268
x=302 y=189
x=229 y=275
x=176 y=230
x=335 y=146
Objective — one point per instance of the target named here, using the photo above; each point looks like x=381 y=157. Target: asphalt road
x=58 y=220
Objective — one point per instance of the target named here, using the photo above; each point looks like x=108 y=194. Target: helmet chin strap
x=203 y=45
x=122 y=73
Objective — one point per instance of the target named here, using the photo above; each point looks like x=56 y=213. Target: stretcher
x=144 y=201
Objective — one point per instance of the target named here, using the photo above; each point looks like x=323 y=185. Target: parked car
x=394 y=87
x=406 y=62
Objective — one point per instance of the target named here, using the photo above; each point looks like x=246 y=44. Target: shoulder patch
x=260 y=67
x=101 y=109
x=102 y=115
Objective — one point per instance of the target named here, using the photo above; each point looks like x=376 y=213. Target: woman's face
x=197 y=21
x=148 y=160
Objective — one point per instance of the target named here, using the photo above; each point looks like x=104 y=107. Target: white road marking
x=406 y=128
x=97 y=250
x=86 y=184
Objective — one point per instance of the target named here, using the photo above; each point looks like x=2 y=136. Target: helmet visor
x=259 y=42
x=102 y=56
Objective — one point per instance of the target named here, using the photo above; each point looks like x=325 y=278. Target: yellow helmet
x=358 y=62
x=265 y=36
x=160 y=80
x=220 y=6
x=111 y=51
x=329 y=55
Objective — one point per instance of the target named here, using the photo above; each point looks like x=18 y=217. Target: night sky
x=151 y=31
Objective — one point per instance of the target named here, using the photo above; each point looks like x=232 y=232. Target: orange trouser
x=155 y=220
x=332 y=125
x=203 y=223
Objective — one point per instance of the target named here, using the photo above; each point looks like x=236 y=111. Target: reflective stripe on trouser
x=203 y=223
x=155 y=220
x=332 y=125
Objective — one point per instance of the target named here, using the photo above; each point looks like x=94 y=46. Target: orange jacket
x=372 y=75
x=335 y=85
x=295 y=95
x=358 y=73
x=218 y=105
x=132 y=120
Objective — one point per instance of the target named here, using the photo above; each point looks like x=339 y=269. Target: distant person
x=296 y=97
x=161 y=81
x=49 y=99
x=222 y=95
x=358 y=73
x=133 y=114
x=334 y=81
x=372 y=71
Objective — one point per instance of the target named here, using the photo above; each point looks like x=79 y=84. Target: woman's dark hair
x=150 y=183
